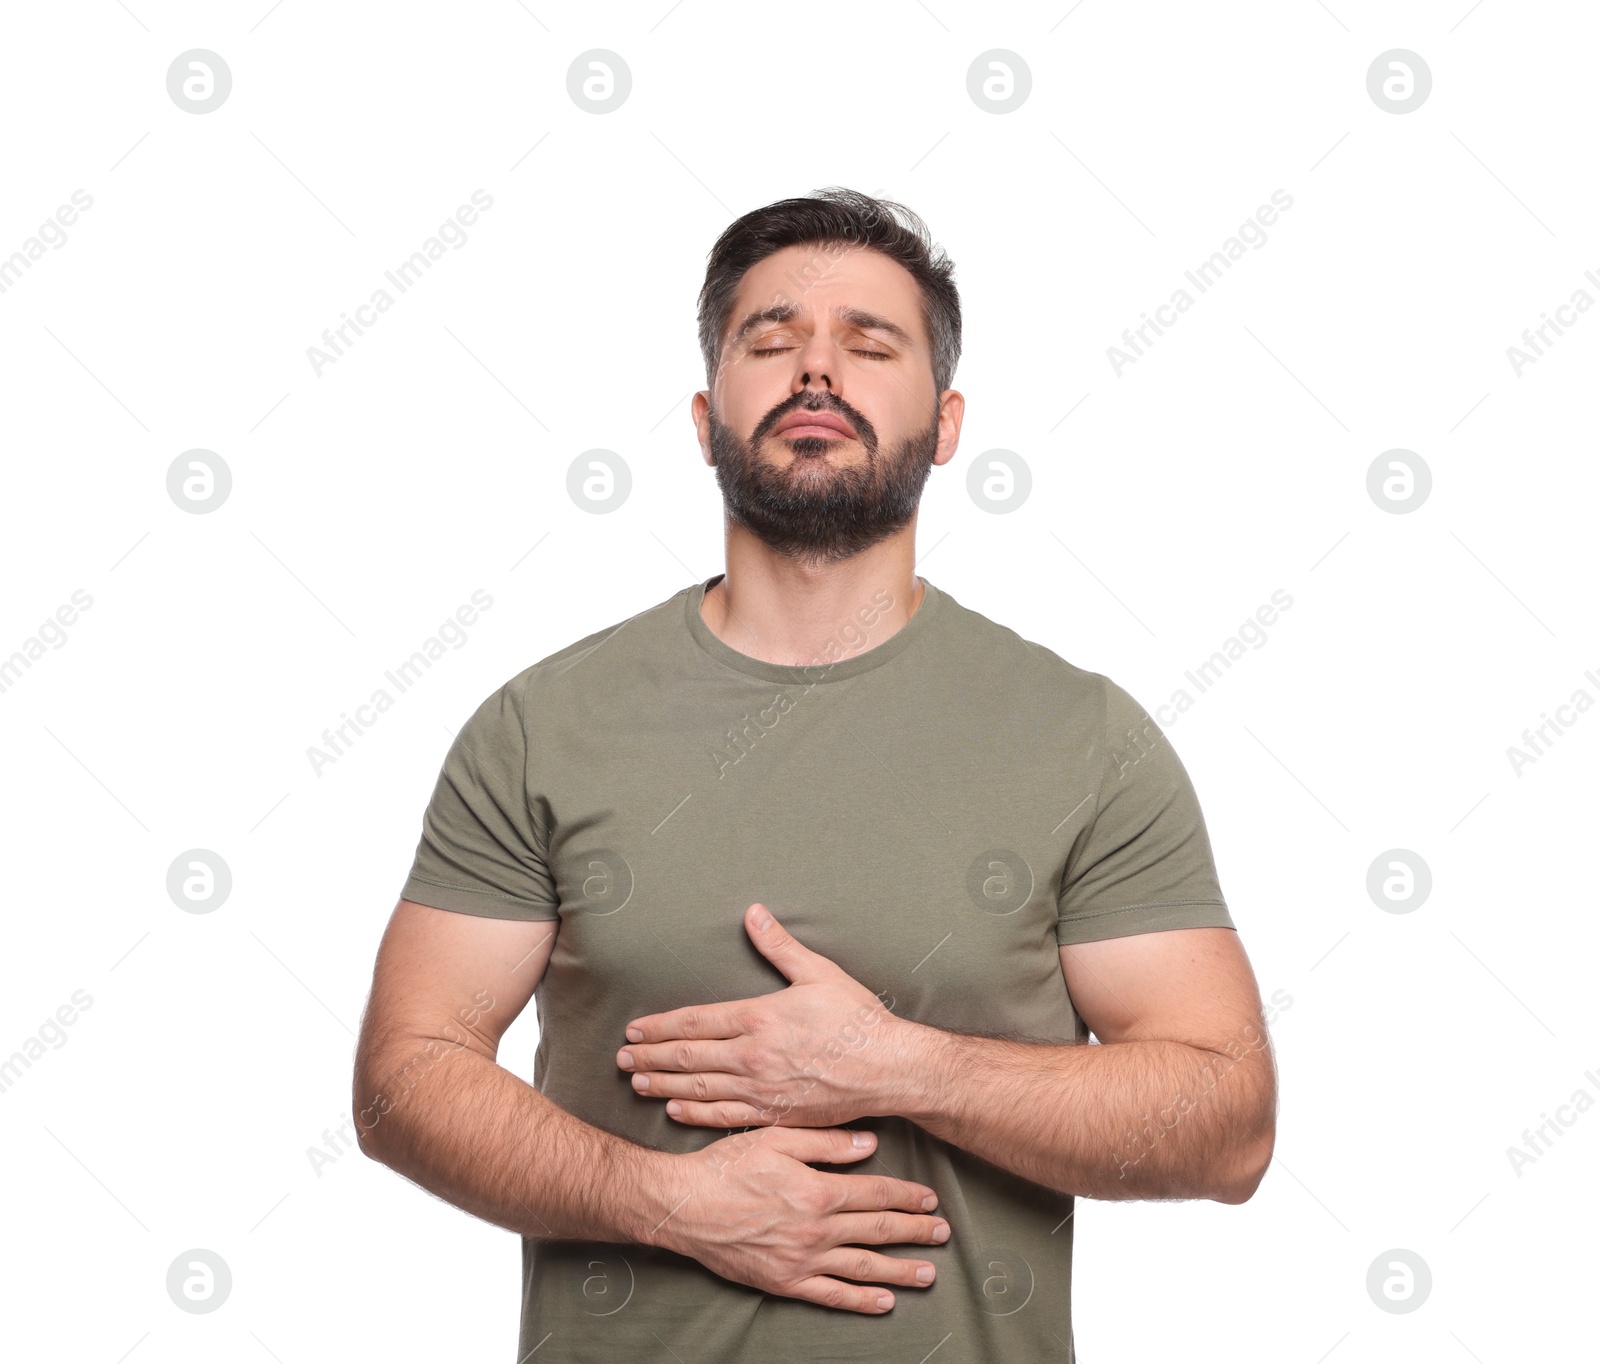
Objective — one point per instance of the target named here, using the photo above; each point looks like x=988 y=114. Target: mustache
x=825 y=403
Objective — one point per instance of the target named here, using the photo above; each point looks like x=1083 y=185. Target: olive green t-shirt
x=937 y=814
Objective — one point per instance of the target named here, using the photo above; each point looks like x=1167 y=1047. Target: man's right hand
x=752 y=1210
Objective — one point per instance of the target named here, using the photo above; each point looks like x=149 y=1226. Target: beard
x=813 y=510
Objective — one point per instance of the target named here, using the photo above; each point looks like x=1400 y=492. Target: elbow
x=369 y=1105
x=367 y=1137
x=1239 y=1192
x=1253 y=1156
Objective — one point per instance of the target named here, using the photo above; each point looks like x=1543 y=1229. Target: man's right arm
x=433 y=1104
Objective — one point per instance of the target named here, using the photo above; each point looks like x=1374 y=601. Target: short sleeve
x=482 y=850
x=1143 y=863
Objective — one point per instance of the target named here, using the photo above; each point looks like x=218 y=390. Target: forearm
x=1123 y=1120
x=465 y=1128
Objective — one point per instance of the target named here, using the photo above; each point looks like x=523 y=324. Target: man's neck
x=773 y=609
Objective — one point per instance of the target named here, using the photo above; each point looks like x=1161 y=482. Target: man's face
x=824 y=338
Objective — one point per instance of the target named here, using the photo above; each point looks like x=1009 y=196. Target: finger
x=886 y=1228
x=725 y=1114
x=696 y=1020
x=797 y=961
x=680 y=1056
x=706 y=1086
x=868 y=1266
x=829 y=1145
x=847 y=1296
x=874 y=1193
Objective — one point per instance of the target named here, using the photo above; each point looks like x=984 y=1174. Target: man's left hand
x=820 y=1053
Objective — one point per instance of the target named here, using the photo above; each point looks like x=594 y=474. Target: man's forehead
x=825 y=277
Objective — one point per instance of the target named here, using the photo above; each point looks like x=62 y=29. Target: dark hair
x=835 y=217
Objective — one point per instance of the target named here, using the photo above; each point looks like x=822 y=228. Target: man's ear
x=699 y=406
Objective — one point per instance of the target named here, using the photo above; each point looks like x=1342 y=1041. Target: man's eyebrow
x=871 y=322
x=859 y=318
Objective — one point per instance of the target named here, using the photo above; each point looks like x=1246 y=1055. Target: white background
x=370 y=501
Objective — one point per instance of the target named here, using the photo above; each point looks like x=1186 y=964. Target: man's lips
x=824 y=424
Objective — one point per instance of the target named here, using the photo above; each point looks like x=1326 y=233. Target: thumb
x=797 y=961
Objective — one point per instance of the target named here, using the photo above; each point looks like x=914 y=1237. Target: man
x=810 y=855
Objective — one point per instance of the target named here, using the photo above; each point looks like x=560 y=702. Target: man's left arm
x=1179 y=1100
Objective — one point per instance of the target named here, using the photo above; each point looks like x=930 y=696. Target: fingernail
x=861 y=1138
x=634 y=1035
x=886 y=1302
x=625 y=1059
x=931 y=1202
x=641 y=1083
x=762 y=918
x=941 y=1233
x=674 y=1108
x=925 y=1274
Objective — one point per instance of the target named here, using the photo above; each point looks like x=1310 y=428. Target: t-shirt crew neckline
x=822 y=670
